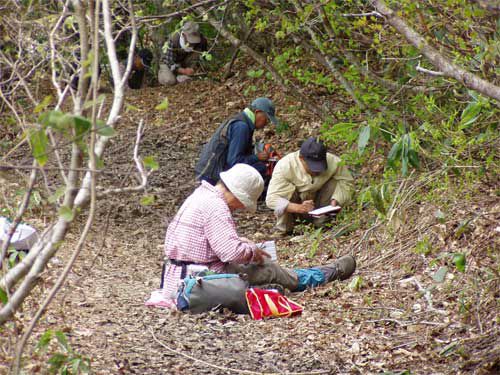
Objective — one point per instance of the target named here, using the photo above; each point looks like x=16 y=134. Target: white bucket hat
x=245 y=183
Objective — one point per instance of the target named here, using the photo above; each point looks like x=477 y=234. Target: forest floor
x=396 y=318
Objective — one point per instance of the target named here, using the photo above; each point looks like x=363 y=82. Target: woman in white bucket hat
x=202 y=235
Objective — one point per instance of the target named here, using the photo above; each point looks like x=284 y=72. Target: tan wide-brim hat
x=246 y=184
x=191 y=31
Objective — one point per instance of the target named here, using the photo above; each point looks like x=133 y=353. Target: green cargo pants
x=267 y=273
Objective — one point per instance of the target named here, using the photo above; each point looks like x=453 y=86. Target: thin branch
x=140 y=167
x=10 y=166
x=58 y=24
x=427 y=71
x=367 y=14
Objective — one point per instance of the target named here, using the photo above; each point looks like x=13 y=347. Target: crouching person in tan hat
x=183 y=50
x=203 y=235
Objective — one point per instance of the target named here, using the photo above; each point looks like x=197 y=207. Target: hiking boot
x=341 y=269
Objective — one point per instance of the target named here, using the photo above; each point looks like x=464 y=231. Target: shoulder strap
x=225 y=127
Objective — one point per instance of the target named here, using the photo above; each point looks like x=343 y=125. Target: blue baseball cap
x=265 y=105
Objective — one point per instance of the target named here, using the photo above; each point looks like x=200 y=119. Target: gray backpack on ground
x=198 y=294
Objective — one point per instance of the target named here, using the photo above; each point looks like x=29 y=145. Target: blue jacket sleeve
x=240 y=145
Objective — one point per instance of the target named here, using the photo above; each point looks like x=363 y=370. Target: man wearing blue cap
x=232 y=142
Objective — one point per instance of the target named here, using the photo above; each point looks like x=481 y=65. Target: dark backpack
x=214 y=153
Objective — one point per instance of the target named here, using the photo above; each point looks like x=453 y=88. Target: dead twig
x=140 y=167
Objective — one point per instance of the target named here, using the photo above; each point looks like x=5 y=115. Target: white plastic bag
x=23 y=238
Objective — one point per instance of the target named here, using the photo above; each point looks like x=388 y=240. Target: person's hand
x=259 y=255
x=186 y=71
x=263 y=155
x=334 y=203
x=300 y=208
x=306 y=206
x=246 y=240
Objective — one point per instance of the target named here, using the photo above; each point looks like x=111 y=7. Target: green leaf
x=377 y=200
x=66 y=213
x=163 y=105
x=459 y=261
x=413 y=158
x=63 y=341
x=106 y=131
x=75 y=365
x=207 y=56
x=440 y=274
x=57 y=194
x=404 y=165
x=99 y=162
x=82 y=127
x=147 y=200
x=356 y=283
x=4 y=298
x=393 y=154
x=98 y=101
x=39 y=142
x=12 y=258
x=57 y=361
x=470 y=114
x=44 y=340
x=130 y=108
x=364 y=137
x=151 y=163
x=61 y=121
x=43 y=104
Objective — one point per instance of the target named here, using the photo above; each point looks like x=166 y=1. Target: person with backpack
x=232 y=142
x=202 y=236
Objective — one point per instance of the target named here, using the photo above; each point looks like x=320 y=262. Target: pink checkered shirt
x=203 y=232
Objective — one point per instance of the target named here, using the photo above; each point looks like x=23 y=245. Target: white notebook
x=270 y=248
x=325 y=210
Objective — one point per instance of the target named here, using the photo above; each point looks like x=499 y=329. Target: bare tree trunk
x=447 y=67
x=236 y=51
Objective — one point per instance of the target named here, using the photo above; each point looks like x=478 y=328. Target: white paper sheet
x=324 y=210
x=270 y=248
